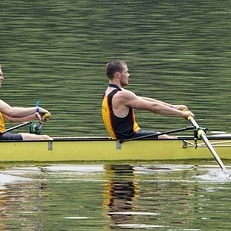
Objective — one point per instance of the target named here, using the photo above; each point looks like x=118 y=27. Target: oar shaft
x=210 y=147
x=202 y=134
x=157 y=134
x=17 y=126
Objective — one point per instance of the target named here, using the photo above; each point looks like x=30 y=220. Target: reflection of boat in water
x=120 y=192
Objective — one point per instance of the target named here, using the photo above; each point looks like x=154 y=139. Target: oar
x=201 y=134
x=157 y=134
x=37 y=128
x=17 y=126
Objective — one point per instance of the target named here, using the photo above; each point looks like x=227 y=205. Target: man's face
x=124 y=76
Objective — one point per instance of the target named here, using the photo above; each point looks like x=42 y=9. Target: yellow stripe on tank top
x=106 y=118
x=2 y=124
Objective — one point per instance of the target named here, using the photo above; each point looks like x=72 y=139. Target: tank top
x=117 y=128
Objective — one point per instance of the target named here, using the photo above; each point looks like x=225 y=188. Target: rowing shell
x=106 y=149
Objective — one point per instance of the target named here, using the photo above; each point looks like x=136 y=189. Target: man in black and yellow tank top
x=118 y=105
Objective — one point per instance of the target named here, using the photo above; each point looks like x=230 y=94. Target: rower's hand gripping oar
x=37 y=128
x=201 y=134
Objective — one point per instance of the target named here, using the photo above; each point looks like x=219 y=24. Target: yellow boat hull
x=105 y=149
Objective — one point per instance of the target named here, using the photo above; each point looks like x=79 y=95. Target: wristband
x=37 y=109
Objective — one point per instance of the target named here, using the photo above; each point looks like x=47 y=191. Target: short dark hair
x=114 y=66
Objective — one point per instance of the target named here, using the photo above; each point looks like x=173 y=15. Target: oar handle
x=46 y=117
x=37 y=128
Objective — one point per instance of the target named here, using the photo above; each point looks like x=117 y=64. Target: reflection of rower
x=120 y=192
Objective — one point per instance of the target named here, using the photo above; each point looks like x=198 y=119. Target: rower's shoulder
x=125 y=94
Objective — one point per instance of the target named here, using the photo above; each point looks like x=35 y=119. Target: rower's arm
x=179 y=107
x=131 y=100
x=20 y=119
x=20 y=112
x=154 y=100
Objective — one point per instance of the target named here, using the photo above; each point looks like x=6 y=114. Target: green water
x=56 y=51
x=115 y=197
